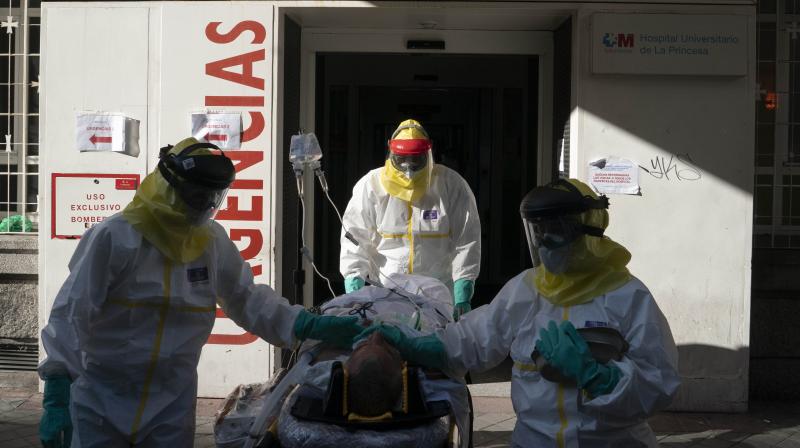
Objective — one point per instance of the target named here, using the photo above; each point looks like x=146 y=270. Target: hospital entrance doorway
x=481 y=113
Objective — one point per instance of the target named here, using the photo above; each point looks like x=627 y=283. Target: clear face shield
x=549 y=239
x=199 y=178
x=202 y=203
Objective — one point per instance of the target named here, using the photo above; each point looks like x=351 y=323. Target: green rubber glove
x=462 y=295
x=567 y=351
x=427 y=350
x=352 y=284
x=334 y=330
x=55 y=426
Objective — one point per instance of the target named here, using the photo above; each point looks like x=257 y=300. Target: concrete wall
x=691 y=240
x=18 y=287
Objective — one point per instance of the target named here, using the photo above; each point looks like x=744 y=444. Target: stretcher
x=306 y=404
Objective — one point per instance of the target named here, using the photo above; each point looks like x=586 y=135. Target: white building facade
x=514 y=95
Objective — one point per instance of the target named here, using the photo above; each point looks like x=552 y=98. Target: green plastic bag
x=16 y=223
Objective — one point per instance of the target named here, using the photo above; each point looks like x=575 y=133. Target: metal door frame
x=331 y=40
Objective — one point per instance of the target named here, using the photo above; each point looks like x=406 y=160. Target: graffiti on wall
x=673 y=167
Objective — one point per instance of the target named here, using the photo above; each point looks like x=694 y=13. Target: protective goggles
x=409 y=164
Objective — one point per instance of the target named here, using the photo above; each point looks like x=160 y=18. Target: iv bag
x=304 y=149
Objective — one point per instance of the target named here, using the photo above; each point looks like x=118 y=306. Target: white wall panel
x=690 y=230
x=158 y=63
x=93 y=59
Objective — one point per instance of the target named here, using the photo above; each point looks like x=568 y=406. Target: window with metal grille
x=19 y=115
x=777 y=152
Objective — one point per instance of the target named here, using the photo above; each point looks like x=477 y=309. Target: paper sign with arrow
x=220 y=128
x=100 y=132
x=95 y=139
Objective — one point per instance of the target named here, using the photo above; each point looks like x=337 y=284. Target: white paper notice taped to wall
x=220 y=128
x=614 y=175
x=104 y=132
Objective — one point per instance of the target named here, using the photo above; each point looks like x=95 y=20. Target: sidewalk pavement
x=765 y=425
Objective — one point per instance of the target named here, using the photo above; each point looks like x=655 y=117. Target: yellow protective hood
x=596 y=266
x=410 y=130
x=156 y=213
x=398 y=185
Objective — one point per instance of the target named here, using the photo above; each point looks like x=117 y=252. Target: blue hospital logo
x=618 y=40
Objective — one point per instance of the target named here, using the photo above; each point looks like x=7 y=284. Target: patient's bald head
x=375 y=377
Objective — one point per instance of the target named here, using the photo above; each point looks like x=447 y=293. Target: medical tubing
x=298 y=177
x=307 y=254
x=323 y=183
x=304 y=250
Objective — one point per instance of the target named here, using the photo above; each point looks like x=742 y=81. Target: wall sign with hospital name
x=669 y=44
x=80 y=200
x=101 y=132
x=219 y=128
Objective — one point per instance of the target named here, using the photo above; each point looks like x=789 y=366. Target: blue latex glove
x=427 y=350
x=334 y=330
x=567 y=351
x=353 y=284
x=462 y=295
x=55 y=427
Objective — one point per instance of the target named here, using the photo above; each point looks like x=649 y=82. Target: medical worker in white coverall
x=579 y=282
x=125 y=333
x=412 y=216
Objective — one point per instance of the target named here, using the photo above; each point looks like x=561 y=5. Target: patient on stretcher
x=371 y=397
x=374 y=377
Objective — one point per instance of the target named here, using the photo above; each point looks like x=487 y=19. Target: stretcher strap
x=353 y=417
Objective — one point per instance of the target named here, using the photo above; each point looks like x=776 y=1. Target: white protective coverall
x=552 y=415
x=128 y=327
x=439 y=236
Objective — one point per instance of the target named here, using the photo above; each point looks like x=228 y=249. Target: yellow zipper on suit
x=410 y=238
